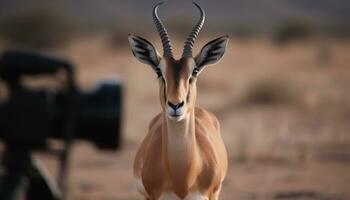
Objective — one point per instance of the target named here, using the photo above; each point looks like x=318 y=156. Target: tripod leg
x=11 y=186
x=16 y=163
x=41 y=185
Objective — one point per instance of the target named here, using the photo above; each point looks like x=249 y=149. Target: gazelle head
x=177 y=78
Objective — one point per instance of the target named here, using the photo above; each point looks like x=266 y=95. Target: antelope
x=183 y=155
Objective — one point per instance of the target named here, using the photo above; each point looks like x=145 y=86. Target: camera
x=30 y=116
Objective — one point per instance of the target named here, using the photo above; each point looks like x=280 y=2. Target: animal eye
x=159 y=73
x=195 y=72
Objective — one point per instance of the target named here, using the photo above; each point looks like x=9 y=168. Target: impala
x=183 y=155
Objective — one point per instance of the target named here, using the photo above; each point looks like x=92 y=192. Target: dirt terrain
x=284 y=112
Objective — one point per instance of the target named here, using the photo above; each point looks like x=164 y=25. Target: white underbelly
x=191 y=196
x=140 y=187
x=168 y=196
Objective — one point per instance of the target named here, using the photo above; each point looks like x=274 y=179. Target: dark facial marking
x=177 y=72
x=177 y=68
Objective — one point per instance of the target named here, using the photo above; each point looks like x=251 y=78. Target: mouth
x=176 y=117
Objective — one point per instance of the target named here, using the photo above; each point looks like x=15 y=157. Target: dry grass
x=280 y=110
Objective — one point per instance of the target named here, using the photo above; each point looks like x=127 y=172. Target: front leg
x=216 y=193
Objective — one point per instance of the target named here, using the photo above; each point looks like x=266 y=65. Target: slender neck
x=180 y=153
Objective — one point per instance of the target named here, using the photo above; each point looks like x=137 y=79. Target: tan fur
x=181 y=157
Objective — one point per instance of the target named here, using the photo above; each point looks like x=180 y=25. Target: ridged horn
x=187 y=52
x=167 y=48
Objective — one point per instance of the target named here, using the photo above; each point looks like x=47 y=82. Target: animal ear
x=144 y=51
x=212 y=52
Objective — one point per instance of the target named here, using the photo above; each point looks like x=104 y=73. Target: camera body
x=29 y=117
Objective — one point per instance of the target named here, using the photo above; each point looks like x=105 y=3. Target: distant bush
x=269 y=92
x=118 y=39
x=243 y=31
x=338 y=31
x=292 y=30
x=37 y=26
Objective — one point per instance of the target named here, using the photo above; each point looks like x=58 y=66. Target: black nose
x=177 y=106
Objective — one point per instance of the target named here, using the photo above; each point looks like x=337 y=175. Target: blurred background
x=281 y=93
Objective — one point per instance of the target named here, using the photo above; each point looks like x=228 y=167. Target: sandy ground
x=107 y=176
x=284 y=113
